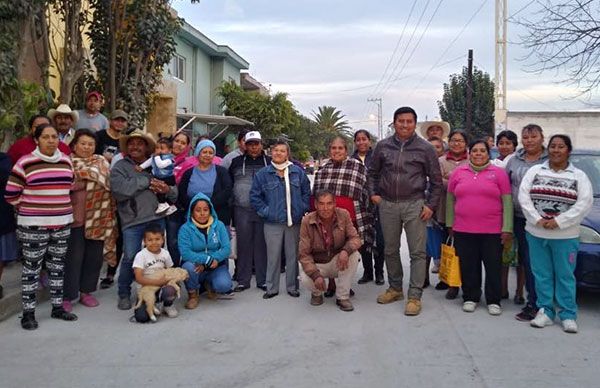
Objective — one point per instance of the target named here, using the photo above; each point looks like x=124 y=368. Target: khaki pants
x=329 y=270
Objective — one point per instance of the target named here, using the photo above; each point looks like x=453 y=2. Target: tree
x=330 y=119
x=453 y=105
x=271 y=115
x=131 y=41
x=565 y=36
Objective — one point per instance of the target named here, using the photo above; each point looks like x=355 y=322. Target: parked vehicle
x=587 y=271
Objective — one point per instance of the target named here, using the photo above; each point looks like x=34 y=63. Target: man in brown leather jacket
x=329 y=246
x=402 y=168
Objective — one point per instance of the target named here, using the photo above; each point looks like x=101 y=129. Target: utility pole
x=469 y=115
x=500 y=111
x=379 y=116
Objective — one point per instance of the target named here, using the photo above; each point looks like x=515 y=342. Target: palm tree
x=332 y=120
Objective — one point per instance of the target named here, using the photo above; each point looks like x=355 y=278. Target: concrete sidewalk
x=10 y=304
x=285 y=342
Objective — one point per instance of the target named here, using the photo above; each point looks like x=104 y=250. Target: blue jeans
x=132 y=244
x=553 y=263
x=174 y=222
x=218 y=278
x=524 y=259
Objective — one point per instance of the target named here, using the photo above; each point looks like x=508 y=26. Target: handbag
x=450 y=265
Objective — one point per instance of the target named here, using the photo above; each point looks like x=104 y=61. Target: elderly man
x=400 y=170
x=90 y=117
x=64 y=120
x=329 y=246
x=251 y=248
x=135 y=193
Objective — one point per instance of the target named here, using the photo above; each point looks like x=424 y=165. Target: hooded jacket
x=198 y=248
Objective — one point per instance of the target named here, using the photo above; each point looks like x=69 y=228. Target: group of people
x=85 y=196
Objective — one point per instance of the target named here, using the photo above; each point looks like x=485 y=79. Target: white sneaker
x=541 y=320
x=469 y=307
x=569 y=326
x=494 y=309
x=172 y=209
x=171 y=311
x=162 y=207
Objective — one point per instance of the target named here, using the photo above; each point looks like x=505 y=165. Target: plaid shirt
x=349 y=179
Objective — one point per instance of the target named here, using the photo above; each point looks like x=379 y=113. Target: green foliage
x=454 y=102
x=132 y=41
x=330 y=119
x=271 y=115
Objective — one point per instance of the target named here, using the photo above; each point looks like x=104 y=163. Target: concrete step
x=10 y=304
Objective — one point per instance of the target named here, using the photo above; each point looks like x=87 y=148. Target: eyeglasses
x=459 y=141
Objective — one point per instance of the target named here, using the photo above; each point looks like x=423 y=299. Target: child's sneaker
x=162 y=207
x=172 y=209
x=171 y=311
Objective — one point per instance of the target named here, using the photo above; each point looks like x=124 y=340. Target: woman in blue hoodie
x=204 y=246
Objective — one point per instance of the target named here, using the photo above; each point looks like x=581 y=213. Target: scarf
x=478 y=168
x=183 y=162
x=288 y=194
x=204 y=226
x=100 y=220
x=50 y=159
x=349 y=179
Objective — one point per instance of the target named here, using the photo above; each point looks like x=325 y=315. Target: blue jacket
x=197 y=248
x=267 y=194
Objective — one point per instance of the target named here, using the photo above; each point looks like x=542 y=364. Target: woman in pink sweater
x=479 y=216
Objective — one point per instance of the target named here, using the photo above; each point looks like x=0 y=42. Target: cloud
x=233 y=9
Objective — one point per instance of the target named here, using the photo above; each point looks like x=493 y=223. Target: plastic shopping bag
x=450 y=265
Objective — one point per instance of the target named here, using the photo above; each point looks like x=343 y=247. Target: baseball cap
x=119 y=114
x=253 y=136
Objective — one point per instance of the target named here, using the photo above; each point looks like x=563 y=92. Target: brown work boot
x=345 y=304
x=210 y=293
x=193 y=300
x=316 y=300
x=390 y=295
x=413 y=307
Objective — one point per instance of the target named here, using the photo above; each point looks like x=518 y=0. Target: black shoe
x=239 y=288
x=426 y=283
x=294 y=294
x=106 y=283
x=329 y=293
x=527 y=314
x=505 y=296
x=60 y=313
x=28 y=321
x=262 y=287
x=519 y=299
x=351 y=292
x=452 y=293
x=1 y=292
x=268 y=295
x=365 y=279
x=379 y=280
x=441 y=286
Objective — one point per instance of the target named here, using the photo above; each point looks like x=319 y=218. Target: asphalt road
x=285 y=342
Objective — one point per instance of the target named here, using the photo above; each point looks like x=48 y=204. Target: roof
x=198 y=39
x=214 y=119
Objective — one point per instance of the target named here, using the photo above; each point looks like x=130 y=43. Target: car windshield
x=590 y=164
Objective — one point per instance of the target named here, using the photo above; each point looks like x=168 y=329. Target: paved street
x=285 y=342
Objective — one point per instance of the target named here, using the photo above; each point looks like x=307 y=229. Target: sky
x=343 y=52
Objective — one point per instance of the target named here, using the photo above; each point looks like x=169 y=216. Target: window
x=178 y=67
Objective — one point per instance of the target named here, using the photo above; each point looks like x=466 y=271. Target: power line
x=407 y=44
x=395 y=48
x=464 y=27
x=523 y=8
x=419 y=41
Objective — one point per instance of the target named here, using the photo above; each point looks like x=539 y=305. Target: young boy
x=150 y=259
x=163 y=165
